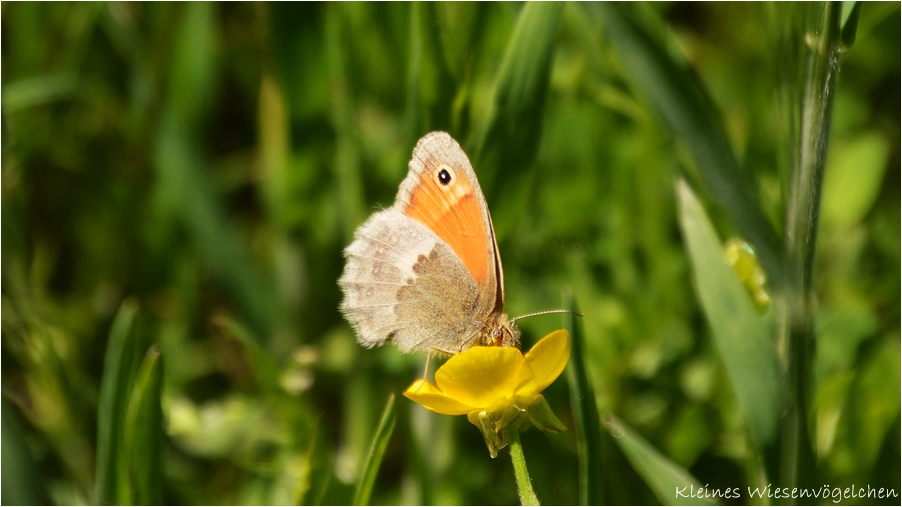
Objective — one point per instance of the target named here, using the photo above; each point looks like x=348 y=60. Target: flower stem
x=524 y=484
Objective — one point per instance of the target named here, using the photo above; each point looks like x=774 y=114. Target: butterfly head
x=499 y=332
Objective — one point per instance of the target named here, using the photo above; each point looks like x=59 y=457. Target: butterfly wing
x=441 y=191
x=405 y=285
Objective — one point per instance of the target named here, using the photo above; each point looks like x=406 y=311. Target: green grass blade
x=38 y=90
x=144 y=432
x=193 y=64
x=585 y=413
x=850 y=13
x=689 y=112
x=21 y=483
x=346 y=165
x=430 y=84
x=514 y=124
x=741 y=335
x=414 y=68
x=186 y=191
x=118 y=369
x=377 y=451
x=185 y=188
x=671 y=483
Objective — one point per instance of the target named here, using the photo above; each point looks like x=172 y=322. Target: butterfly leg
x=429 y=354
x=470 y=342
x=426 y=369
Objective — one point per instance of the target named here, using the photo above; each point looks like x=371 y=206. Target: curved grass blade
x=741 y=335
x=585 y=413
x=377 y=451
x=671 y=483
x=144 y=432
x=514 y=123
x=688 y=110
x=118 y=368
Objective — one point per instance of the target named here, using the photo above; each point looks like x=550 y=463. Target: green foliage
x=143 y=436
x=741 y=335
x=178 y=182
x=585 y=413
x=669 y=481
x=377 y=452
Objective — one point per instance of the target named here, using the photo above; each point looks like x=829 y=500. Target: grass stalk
x=823 y=40
x=376 y=453
x=585 y=413
x=119 y=366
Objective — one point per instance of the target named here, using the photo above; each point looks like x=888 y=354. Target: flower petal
x=481 y=376
x=434 y=399
x=544 y=362
x=423 y=386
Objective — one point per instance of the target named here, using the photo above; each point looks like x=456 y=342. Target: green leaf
x=377 y=451
x=671 y=483
x=585 y=413
x=144 y=432
x=688 y=110
x=118 y=368
x=741 y=335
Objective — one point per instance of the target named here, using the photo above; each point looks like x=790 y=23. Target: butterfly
x=425 y=273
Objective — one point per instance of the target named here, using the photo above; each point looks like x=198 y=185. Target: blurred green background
x=202 y=166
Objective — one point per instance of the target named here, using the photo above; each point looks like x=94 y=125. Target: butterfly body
x=425 y=273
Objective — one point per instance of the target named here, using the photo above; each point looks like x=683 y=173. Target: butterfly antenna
x=546 y=312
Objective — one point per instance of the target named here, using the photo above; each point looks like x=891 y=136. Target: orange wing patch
x=452 y=212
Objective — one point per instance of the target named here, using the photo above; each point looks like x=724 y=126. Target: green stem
x=798 y=468
x=524 y=484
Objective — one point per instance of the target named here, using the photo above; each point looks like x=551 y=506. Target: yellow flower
x=498 y=387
